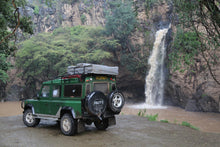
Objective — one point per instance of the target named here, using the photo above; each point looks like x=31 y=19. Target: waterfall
x=154 y=87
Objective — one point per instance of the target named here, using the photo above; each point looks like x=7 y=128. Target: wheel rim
x=66 y=125
x=29 y=118
x=117 y=100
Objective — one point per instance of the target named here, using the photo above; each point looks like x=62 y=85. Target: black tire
x=96 y=103
x=29 y=120
x=68 y=125
x=116 y=101
x=101 y=124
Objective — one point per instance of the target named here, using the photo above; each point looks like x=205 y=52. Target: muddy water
x=10 y=108
x=206 y=122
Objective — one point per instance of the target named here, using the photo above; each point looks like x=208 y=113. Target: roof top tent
x=87 y=68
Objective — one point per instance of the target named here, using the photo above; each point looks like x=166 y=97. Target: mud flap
x=80 y=126
x=111 y=121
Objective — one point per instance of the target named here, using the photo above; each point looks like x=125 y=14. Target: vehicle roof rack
x=87 y=68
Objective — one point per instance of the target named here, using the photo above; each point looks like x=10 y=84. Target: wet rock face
x=194 y=91
x=208 y=104
x=2 y=90
x=14 y=93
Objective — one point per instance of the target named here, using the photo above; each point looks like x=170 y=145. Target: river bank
x=206 y=122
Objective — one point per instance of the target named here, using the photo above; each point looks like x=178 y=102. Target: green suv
x=87 y=95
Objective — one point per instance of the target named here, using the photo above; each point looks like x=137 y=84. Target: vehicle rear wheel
x=96 y=103
x=68 y=125
x=29 y=119
x=101 y=124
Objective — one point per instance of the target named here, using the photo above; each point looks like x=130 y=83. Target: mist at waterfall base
x=154 y=88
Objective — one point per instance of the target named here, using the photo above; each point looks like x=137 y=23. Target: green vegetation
x=142 y=113
x=164 y=121
x=10 y=21
x=184 y=123
x=152 y=117
x=198 y=35
x=48 y=54
x=185 y=47
x=36 y=10
x=83 y=18
x=121 y=20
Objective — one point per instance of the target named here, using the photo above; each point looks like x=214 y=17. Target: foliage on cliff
x=120 y=20
x=10 y=21
x=198 y=33
x=121 y=23
x=48 y=54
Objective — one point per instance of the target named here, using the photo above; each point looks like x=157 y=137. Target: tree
x=10 y=22
x=120 y=24
x=121 y=20
x=199 y=19
x=48 y=55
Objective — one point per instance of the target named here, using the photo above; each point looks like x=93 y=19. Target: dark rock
x=51 y=11
x=175 y=94
x=14 y=93
x=192 y=105
x=28 y=11
x=2 y=89
x=41 y=11
x=208 y=104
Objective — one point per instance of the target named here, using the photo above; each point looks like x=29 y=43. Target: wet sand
x=206 y=122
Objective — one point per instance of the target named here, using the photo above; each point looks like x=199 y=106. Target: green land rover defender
x=87 y=95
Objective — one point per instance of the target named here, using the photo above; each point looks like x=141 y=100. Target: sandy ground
x=206 y=122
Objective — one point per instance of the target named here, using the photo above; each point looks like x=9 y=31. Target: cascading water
x=154 y=87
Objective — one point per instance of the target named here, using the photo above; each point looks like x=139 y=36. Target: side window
x=88 y=89
x=45 y=91
x=56 y=90
x=72 y=90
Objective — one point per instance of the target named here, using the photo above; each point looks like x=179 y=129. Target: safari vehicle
x=87 y=95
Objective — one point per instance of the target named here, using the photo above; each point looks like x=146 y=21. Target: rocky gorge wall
x=191 y=91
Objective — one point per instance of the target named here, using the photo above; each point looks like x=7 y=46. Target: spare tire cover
x=116 y=101
x=96 y=103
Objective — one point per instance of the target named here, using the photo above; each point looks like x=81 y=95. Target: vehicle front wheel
x=68 y=125
x=101 y=124
x=29 y=120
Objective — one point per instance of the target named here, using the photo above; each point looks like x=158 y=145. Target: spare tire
x=96 y=103
x=116 y=101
